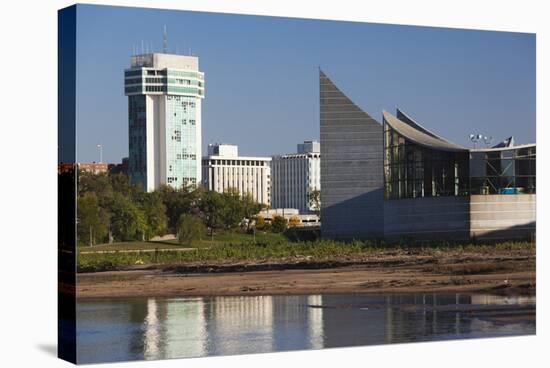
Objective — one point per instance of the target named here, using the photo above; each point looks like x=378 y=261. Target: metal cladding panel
x=412 y=133
x=427 y=218
x=351 y=169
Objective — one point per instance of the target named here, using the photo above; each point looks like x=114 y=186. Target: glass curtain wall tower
x=164 y=92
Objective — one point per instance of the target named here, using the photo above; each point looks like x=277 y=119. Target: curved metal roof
x=410 y=121
x=418 y=136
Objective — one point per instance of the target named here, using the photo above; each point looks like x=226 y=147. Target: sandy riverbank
x=507 y=272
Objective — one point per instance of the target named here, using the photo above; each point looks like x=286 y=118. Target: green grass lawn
x=205 y=242
x=235 y=246
x=133 y=245
x=237 y=238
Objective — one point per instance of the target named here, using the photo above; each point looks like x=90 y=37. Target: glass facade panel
x=412 y=171
x=137 y=164
x=181 y=141
x=510 y=171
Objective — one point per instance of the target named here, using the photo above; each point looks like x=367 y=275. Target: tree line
x=111 y=209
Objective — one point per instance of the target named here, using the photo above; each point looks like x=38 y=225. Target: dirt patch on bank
x=504 y=272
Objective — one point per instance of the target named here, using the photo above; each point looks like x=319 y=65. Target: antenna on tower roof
x=165 y=41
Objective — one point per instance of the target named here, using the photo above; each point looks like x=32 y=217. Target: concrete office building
x=431 y=188
x=294 y=176
x=223 y=169
x=164 y=119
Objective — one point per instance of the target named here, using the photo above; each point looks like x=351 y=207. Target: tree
x=99 y=184
x=278 y=224
x=155 y=214
x=92 y=220
x=190 y=228
x=233 y=209
x=314 y=200
x=211 y=206
x=250 y=209
x=121 y=184
x=127 y=220
x=294 y=221
x=178 y=202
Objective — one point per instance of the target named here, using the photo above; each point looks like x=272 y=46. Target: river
x=162 y=328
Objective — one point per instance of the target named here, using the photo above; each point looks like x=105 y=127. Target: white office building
x=296 y=175
x=224 y=169
x=164 y=120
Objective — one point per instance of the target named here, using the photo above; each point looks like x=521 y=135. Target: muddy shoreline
x=508 y=273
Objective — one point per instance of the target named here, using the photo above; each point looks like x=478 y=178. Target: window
x=511 y=171
x=412 y=171
x=132 y=73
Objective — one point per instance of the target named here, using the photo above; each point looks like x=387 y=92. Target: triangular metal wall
x=351 y=167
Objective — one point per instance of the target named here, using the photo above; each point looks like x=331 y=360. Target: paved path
x=139 y=250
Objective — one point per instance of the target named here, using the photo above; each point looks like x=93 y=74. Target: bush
x=190 y=228
x=260 y=223
x=294 y=221
x=279 y=224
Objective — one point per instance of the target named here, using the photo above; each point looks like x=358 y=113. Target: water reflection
x=184 y=336
x=134 y=329
x=232 y=320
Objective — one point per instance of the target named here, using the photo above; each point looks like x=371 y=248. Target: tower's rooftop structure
x=164 y=61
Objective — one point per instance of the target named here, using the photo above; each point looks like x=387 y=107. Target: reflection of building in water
x=353 y=320
x=315 y=322
x=369 y=320
x=174 y=328
x=186 y=333
x=151 y=333
x=419 y=317
x=168 y=328
x=231 y=325
x=240 y=325
x=497 y=299
x=234 y=320
x=295 y=324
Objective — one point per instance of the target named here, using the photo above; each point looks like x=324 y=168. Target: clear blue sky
x=261 y=76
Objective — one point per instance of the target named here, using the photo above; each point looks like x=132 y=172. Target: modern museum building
x=397 y=179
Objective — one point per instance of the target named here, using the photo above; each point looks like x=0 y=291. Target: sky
x=261 y=76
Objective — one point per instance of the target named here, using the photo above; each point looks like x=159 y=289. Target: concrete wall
x=484 y=217
x=503 y=216
x=430 y=218
x=351 y=167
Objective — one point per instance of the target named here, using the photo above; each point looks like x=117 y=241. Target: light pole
x=475 y=138
x=100 y=148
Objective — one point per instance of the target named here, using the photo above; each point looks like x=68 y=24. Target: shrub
x=260 y=223
x=294 y=221
x=190 y=228
x=279 y=224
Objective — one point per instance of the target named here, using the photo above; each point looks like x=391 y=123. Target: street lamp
x=475 y=138
x=100 y=148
